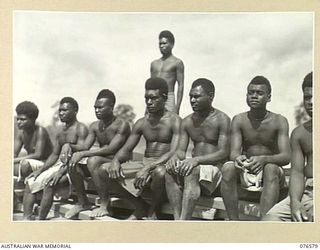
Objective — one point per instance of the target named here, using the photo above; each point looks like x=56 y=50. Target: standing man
x=34 y=138
x=208 y=128
x=160 y=129
x=298 y=206
x=171 y=69
x=259 y=146
x=111 y=133
x=52 y=175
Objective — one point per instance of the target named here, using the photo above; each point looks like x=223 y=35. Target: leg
x=191 y=194
x=29 y=199
x=174 y=194
x=271 y=187
x=25 y=169
x=157 y=189
x=47 y=197
x=94 y=164
x=115 y=186
x=279 y=212
x=229 y=190
x=99 y=176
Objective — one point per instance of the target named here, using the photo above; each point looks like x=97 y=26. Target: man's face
x=308 y=100
x=103 y=108
x=200 y=99
x=154 y=100
x=165 y=46
x=257 y=96
x=24 y=122
x=66 y=112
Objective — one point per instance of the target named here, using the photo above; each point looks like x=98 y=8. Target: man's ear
x=211 y=94
x=269 y=98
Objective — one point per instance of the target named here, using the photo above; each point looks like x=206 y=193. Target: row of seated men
x=250 y=150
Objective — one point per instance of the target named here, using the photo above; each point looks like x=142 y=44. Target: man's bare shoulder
x=94 y=125
x=279 y=119
x=240 y=117
x=42 y=132
x=172 y=116
x=121 y=124
x=301 y=132
x=222 y=115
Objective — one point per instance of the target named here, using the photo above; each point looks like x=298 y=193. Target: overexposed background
x=57 y=54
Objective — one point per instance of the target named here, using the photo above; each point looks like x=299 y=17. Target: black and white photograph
x=162 y=116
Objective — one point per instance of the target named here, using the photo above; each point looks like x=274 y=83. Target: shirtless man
x=208 y=128
x=52 y=175
x=111 y=133
x=298 y=206
x=259 y=146
x=34 y=138
x=160 y=129
x=171 y=69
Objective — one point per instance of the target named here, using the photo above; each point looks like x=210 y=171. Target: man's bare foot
x=150 y=217
x=139 y=213
x=76 y=210
x=100 y=212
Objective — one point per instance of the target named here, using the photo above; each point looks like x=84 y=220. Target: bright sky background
x=59 y=54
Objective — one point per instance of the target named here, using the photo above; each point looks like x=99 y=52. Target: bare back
x=166 y=69
x=205 y=133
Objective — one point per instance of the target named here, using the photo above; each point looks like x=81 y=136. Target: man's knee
x=229 y=172
x=103 y=170
x=93 y=162
x=25 y=167
x=271 y=172
x=159 y=173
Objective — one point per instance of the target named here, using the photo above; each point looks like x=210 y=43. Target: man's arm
x=49 y=162
x=180 y=153
x=296 y=184
x=223 y=145
x=39 y=147
x=236 y=142
x=124 y=154
x=116 y=143
x=17 y=146
x=283 y=158
x=180 y=81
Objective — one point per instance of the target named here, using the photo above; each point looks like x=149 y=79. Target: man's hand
x=76 y=157
x=187 y=165
x=34 y=175
x=255 y=164
x=240 y=161
x=172 y=164
x=298 y=212
x=115 y=171
x=55 y=178
x=66 y=153
x=142 y=177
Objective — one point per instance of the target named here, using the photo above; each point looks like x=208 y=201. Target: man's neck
x=157 y=115
x=166 y=56
x=258 y=114
x=70 y=123
x=30 y=129
x=107 y=121
x=205 y=112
